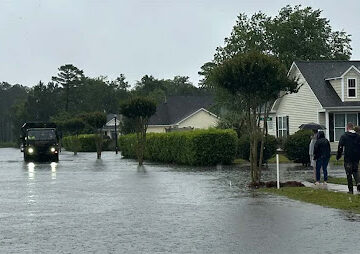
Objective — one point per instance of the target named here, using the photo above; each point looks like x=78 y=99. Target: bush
x=270 y=146
x=199 y=147
x=84 y=143
x=296 y=146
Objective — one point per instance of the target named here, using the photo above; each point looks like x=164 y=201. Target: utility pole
x=116 y=137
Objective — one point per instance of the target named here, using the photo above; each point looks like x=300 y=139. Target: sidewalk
x=330 y=187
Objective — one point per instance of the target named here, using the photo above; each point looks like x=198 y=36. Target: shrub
x=83 y=143
x=270 y=146
x=296 y=146
x=199 y=147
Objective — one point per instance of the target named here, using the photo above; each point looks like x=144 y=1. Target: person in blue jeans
x=322 y=156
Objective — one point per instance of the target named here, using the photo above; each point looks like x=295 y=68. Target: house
x=329 y=94
x=179 y=113
x=109 y=128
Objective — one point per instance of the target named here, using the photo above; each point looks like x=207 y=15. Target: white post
x=278 y=151
x=277 y=171
x=327 y=125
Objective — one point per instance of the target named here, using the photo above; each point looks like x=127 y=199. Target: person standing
x=351 y=141
x=311 y=152
x=322 y=156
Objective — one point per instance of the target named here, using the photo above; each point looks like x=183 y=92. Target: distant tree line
x=70 y=94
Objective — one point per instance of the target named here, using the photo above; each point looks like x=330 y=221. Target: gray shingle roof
x=315 y=73
x=177 y=108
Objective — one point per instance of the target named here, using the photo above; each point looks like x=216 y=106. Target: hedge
x=296 y=146
x=87 y=143
x=270 y=146
x=199 y=147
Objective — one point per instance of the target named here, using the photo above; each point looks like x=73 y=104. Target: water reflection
x=141 y=169
x=53 y=166
x=31 y=170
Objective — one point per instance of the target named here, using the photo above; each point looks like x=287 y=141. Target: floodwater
x=84 y=205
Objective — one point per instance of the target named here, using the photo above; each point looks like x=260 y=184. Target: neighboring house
x=109 y=127
x=183 y=113
x=329 y=94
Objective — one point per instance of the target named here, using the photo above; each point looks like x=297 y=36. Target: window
x=282 y=124
x=340 y=121
x=352 y=88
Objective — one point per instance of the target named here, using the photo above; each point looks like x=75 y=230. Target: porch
x=335 y=122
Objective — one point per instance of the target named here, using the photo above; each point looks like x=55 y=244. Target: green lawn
x=335 y=162
x=321 y=197
x=282 y=159
x=338 y=180
x=8 y=144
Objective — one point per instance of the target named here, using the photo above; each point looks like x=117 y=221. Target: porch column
x=327 y=125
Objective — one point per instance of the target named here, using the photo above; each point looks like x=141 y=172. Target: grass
x=335 y=162
x=321 y=197
x=7 y=144
x=240 y=161
x=338 y=180
x=282 y=159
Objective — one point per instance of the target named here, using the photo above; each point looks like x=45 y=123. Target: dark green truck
x=40 y=141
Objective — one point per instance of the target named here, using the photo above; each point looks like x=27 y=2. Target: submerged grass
x=321 y=197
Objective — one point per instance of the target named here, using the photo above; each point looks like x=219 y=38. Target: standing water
x=82 y=205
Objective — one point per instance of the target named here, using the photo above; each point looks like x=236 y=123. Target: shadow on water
x=99 y=166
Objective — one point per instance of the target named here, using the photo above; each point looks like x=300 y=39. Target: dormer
x=347 y=85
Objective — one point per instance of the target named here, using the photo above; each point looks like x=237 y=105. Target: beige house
x=329 y=94
x=183 y=113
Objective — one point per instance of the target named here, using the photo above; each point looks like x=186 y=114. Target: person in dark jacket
x=351 y=141
x=322 y=156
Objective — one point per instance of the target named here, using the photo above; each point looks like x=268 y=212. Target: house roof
x=176 y=108
x=110 y=121
x=316 y=73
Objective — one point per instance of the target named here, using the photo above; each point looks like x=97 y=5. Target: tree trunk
x=99 y=144
x=67 y=98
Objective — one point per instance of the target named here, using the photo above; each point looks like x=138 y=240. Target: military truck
x=40 y=141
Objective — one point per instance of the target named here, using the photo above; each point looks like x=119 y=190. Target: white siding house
x=183 y=113
x=329 y=94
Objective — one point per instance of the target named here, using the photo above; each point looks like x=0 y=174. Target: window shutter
x=287 y=126
x=277 y=126
x=331 y=127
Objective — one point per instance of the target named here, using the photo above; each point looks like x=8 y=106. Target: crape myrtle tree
x=73 y=126
x=256 y=80
x=140 y=109
x=95 y=120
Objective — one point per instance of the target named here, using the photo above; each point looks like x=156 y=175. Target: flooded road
x=83 y=205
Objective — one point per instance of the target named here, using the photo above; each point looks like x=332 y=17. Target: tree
x=121 y=83
x=257 y=80
x=96 y=120
x=140 y=109
x=302 y=34
x=294 y=34
x=10 y=96
x=68 y=77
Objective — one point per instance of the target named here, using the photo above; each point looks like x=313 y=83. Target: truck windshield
x=41 y=135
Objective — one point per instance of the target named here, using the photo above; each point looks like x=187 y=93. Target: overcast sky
x=162 y=38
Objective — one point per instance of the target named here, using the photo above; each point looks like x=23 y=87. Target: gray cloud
x=163 y=37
